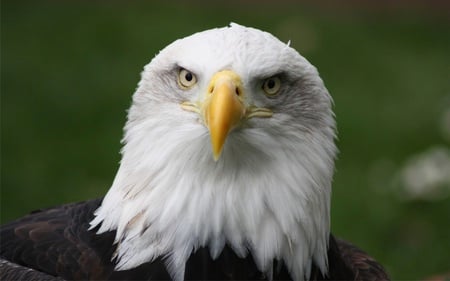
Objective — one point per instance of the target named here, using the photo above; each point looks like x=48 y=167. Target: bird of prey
x=227 y=163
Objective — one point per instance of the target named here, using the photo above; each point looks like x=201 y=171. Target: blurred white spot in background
x=425 y=175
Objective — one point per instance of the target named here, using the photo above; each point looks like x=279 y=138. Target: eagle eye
x=186 y=79
x=272 y=86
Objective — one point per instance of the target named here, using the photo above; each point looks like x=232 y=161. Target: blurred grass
x=68 y=70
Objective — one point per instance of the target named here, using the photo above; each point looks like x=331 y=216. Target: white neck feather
x=268 y=195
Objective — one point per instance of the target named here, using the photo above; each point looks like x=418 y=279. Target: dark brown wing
x=57 y=242
x=13 y=271
x=363 y=266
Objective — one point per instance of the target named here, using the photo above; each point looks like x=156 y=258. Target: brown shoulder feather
x=364 y=266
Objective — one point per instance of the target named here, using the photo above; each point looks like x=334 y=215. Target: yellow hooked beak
x=223 y=108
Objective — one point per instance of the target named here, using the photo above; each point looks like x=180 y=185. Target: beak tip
x=216 y=154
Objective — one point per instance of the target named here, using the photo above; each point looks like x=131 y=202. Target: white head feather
x=267 y=195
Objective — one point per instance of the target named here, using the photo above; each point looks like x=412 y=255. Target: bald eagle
x=226 y=173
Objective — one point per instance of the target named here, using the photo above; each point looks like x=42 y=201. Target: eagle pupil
x=188 y=76
x=270 y=84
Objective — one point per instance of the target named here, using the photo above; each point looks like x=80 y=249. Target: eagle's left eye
x=186 y=79
x=272 y=86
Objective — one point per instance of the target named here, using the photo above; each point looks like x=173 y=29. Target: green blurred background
x=68 y=70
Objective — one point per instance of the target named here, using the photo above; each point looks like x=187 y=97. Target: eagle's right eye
x=186 y=79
